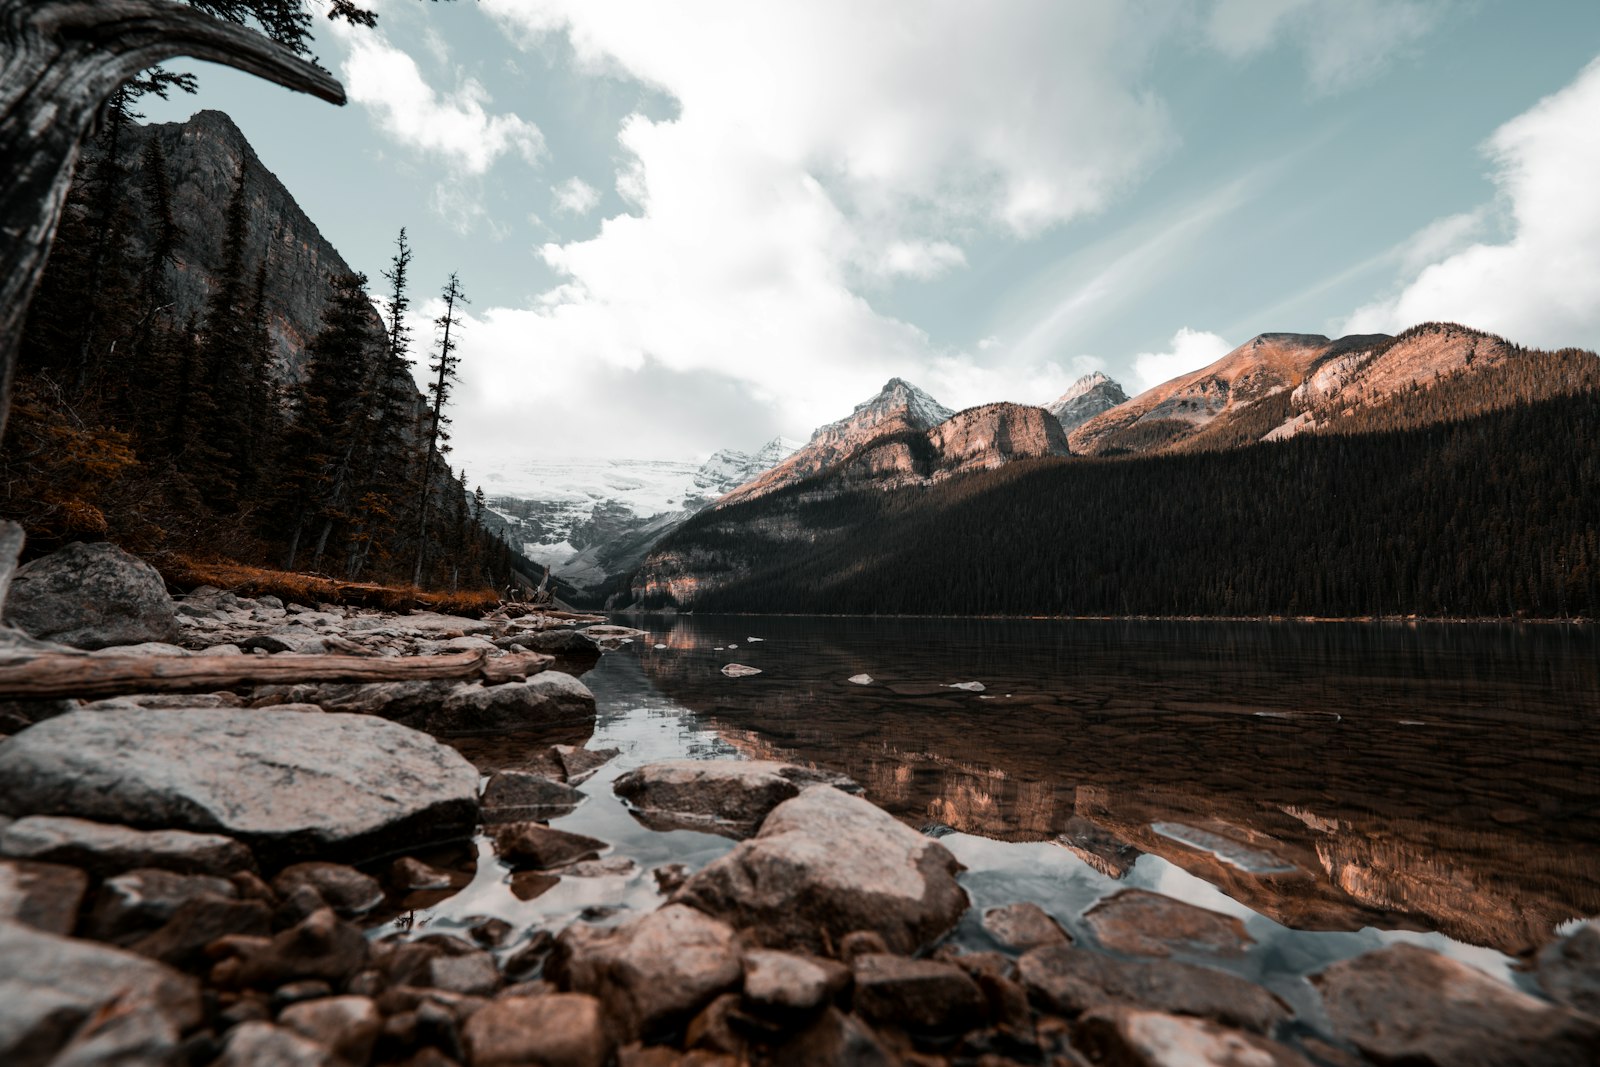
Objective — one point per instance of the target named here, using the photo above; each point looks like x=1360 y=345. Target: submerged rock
x=519 y=796
x=1141 y=923
x=1404 y=1004
x=92 y=596
x=825 y=864
x=651 y=973
x=57 y=990
x=1070 y=981
x=1023 y=926
x=291 y=786
x=578 y=764
x=727 y=797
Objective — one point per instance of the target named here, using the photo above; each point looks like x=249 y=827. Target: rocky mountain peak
x=897 y=397
x=1091 y=395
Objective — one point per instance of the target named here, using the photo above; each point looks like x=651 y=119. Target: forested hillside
x=1410 y=509
x=203 y=379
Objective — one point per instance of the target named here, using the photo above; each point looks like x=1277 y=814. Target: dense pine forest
x=1414 y=508
x=186 y=436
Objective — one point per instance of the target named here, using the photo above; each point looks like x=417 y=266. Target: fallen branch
x=65 y=674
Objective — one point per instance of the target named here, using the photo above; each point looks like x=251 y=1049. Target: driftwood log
x=60 y=61
x=52 y=675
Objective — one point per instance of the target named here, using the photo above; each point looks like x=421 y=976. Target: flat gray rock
x=826 y=864
x=446 y=708
x=290 y=786
x=1141 y=923
x=91 y=596
x=1404 y=1004
x=727 y=797
x=105 y=848
x=1069 y=981
x=52 y=987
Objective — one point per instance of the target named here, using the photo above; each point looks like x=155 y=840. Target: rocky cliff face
x=203 y=160
x=1174 y=412
x=1371 y=374
x=1091 y=395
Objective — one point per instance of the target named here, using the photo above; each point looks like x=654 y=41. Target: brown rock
x=559 y=1030
x=1074 y=980
x=727 y=797
x=323 y=946
x=133 y=904
x=45 y=896
x=1129 y=1037
x=530 y=885
x=919 y=995
x=346 y=1026
x=528 y=844
x=1141 y=923
x=344 y=889
x=825 y=864
x=182 y=940
x=669 y=876
x=859 y=943
x=1406 y=1004
x=530 y=956
x=490 y=932
x=1569 y=969
x=105 y=849
x=652 y=973
x=788 y=983
x=834 y=1040
x=409 y=874
x=1023 y=926
x=520 y=796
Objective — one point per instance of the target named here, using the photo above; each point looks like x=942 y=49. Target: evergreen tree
x=444 y=368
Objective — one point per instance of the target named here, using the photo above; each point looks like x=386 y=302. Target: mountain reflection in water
x=1327 y=776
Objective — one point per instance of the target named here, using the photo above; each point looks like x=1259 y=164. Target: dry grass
x=291 y=587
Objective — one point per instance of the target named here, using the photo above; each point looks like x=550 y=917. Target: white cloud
x=455 y=127
x=575 y=196
x=1538 y=286
x=1344 y=41
x=1191 y=350
x=818 y=151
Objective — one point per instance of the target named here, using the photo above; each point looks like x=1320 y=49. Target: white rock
x=861 y=679
x=739 y=670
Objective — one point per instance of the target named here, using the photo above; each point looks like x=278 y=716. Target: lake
x=1334 y=786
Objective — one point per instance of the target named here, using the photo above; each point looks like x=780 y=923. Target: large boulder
x=290 y=786
x=825 y=864
x=103 y=848
x=727 y=797
x=651 y=974
x=441 y=707
x=92 y=596
x=57 y=991
x=1404 y=1004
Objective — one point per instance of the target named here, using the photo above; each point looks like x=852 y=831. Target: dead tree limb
x=60 y=61
x=65 y=674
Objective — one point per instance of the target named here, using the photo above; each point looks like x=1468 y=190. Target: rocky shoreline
x=217 y=878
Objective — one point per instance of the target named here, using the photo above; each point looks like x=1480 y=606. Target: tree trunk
x=60 y=61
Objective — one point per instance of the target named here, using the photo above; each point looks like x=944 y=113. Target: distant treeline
x=1493 y=514
x=180 y=436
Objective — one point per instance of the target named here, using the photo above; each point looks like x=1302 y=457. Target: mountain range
x=1443 y=470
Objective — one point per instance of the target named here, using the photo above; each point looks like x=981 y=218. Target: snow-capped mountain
x=1087 y=397
x=899 y=405
x=585 y=518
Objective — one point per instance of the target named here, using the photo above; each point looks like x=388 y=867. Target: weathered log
x=66 y=674
x=60 y=61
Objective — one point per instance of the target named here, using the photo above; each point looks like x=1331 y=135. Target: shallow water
x=1335 y=786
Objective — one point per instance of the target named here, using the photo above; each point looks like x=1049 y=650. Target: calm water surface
x=1335 y=786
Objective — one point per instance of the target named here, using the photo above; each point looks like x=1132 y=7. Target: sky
x=702 y=224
